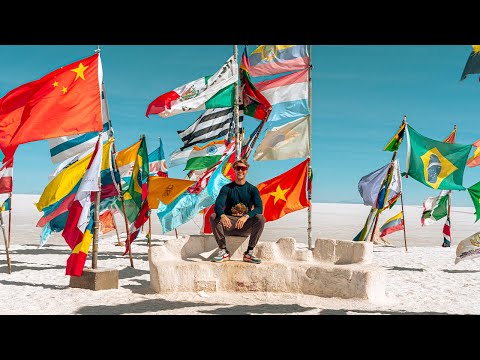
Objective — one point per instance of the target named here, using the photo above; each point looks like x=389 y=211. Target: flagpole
x=235 y=108
x=10 y=219
x=309 y=188
x=96 y=213
x=390 y=169
x=116 y=229
x=403 y=216
x=119 y=243
x=149 y=231
x=449 y=202
x=6 y=244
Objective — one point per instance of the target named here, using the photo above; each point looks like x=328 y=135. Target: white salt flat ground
x=422 y=280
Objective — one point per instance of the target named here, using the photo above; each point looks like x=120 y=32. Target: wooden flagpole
x=309 y=188
x=149 y=232
x=96 y=213
x=448 y=216
x=390 y=169
x=116 y=230
x=6 y=244
x=119 y=243
x=403 y=216
x=10 y=219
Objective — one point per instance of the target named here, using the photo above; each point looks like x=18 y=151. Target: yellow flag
x=165 y=190
x=65 y=181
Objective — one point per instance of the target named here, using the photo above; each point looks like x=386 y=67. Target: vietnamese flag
x=66 y=101
x=285 y=193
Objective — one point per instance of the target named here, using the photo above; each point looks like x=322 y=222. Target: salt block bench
x=334 y=268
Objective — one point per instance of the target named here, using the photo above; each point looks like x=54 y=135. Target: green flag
x=472 y=66
x=434 y=163
x=474 y=192
x=396 y=140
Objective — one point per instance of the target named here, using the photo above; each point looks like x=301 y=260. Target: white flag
x=285 y=142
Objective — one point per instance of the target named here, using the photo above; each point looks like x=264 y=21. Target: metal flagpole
x=309 y=188
x=238 y=144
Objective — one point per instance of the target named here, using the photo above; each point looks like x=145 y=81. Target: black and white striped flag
x=211 y=125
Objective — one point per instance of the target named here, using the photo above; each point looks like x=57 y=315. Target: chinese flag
x=66 y=101
x=285 y=193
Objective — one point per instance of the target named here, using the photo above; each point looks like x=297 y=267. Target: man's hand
x=241 y=221
x=226 y=222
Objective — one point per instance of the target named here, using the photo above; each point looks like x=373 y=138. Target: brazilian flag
x=434 y=163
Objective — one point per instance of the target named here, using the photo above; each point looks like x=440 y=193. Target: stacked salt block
x=334 y=268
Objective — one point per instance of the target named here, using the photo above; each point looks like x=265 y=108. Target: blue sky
x=360 y=94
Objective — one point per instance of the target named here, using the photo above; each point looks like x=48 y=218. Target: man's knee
x=213 y=216
x=260 y=219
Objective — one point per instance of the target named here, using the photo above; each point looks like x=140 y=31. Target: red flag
x=6 y=172
x=255 y=104
x=285 y=193
x=64 y=102
x=207 y=212
x=452 y=137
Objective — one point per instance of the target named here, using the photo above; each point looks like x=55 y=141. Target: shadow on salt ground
x=41 y=251
x=460 y=271
x=152 y=305
x=143 y=288
x=399 y=268
x=119 y=255
x=258 y=309
x=15 y=268
x=129 y=272
x=45 y=286
x=376 y=312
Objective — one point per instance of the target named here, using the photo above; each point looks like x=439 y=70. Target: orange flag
x=107 y=223
x=475 y=159
x=285 y=193
x=66 y=101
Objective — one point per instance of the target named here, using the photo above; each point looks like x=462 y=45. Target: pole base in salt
x=96 y=279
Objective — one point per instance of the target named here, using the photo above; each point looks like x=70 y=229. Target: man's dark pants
x=253 y=227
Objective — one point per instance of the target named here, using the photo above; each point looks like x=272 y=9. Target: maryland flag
x=436 y=164
x=472 y=65
x=396 y=140
x=64 y=102
x=285 y=193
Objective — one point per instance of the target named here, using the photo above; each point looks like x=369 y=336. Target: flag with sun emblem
x=285 y=193
x=436 y=164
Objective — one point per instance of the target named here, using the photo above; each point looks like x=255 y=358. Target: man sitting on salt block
x=238 y=211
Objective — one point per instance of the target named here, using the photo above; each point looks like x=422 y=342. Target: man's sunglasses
x=238 y=168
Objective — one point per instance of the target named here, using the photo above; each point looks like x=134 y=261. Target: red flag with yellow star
x=285 y=193
x=66 y=101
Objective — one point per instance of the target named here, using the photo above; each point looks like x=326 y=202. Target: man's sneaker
x=222 y=255
x=249 y=257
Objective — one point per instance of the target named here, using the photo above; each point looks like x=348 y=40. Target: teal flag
x=436 y=164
